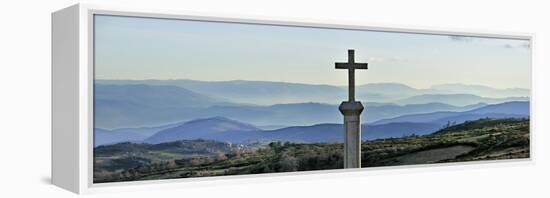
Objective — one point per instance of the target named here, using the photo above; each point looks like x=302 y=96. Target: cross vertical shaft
x=351 y=76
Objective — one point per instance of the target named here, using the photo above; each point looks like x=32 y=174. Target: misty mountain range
x=133 y=105
x=224 y=129
x=155 y=111
x=269 y=93
x=227 y=130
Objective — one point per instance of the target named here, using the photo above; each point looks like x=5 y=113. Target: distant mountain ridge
x=456 y=99
x=269 y=93
x=224 y=129
x=132 y=106
x=482 y=90
x=137 y=105
x=243 y=133
x=503 y=110
x=147 y=113
x=250 y=92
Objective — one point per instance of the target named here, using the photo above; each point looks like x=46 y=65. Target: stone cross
x=351 y=110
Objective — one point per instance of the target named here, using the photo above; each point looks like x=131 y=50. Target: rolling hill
x=106 y=137
x=208 y=128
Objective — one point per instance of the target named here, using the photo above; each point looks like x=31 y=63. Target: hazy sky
x=146 y=48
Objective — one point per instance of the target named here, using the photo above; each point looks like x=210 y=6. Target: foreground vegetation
x=485 y=139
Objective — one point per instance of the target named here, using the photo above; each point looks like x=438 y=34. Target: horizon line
x=430 y=87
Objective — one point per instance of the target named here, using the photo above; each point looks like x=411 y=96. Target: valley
x=483 y=139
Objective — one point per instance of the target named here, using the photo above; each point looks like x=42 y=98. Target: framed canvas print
x=141 y=97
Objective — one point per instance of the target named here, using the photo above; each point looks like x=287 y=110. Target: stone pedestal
x=352 y=133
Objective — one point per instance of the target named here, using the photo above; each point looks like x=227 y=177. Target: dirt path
x=430 y=156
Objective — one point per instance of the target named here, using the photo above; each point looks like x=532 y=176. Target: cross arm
x=353 y=66
x=361 y=66
x=341 y=65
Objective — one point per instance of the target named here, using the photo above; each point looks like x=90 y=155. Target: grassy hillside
x=485 y=139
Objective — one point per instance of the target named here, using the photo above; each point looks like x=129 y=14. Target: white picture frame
x=72 y=91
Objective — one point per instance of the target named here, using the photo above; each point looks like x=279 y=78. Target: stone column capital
x=353 y=108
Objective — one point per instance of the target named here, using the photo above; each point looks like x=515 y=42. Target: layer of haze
x=149 y=48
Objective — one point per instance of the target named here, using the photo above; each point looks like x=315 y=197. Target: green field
x=484 y=139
